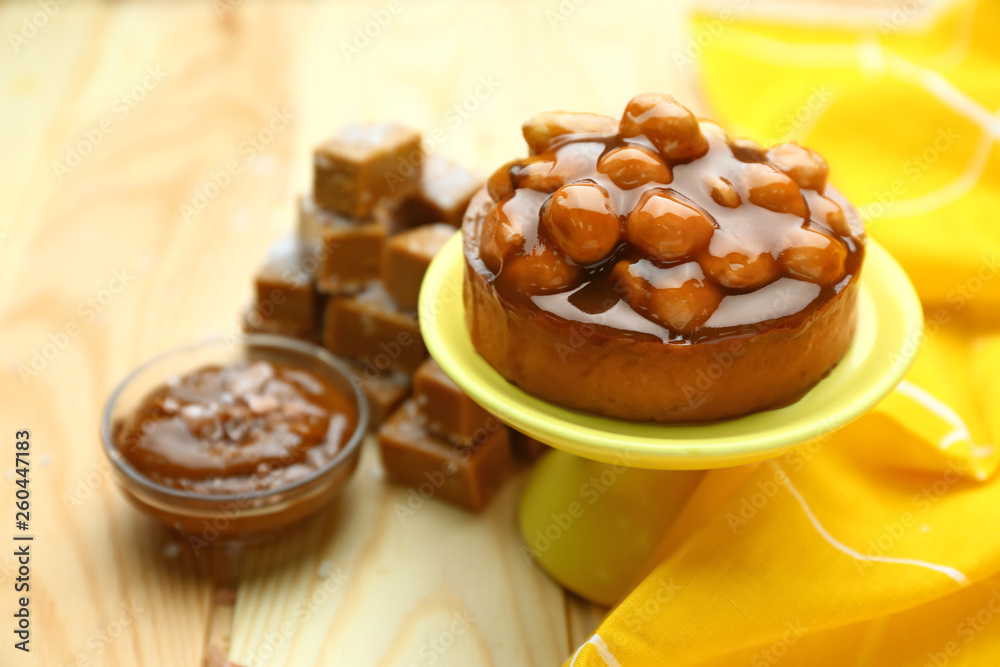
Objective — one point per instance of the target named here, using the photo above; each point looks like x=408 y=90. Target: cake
x=653 y=268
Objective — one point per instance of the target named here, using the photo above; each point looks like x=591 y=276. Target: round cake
x=656 y=269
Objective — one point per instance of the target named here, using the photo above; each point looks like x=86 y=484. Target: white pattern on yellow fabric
x=870 y=56
x=840 y=546
x=947 y=92
x=873 y=61
x=959 y=430
x=812 y=55
x=950 y=192
x=602 y=650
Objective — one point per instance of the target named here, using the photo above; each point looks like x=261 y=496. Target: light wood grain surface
x=115 y=116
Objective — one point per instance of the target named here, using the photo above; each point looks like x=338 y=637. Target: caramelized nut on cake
x=738 y=269
x=815 y=257
x=747 y=150
x=631 y=166
x=542 y=128
x=498 y=238
x=723 y=192
x=773 y=190
x=829 y=213
x=579 y=219
x=541 y=271
x=679 y=298
x=575 y=160
x=805 y=166
x=537 y=173
x=667 y=229
x=671 y=127
x=500 y=184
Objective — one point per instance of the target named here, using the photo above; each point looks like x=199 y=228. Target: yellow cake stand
x=592 y=553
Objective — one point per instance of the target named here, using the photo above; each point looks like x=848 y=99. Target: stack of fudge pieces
x=349 y=280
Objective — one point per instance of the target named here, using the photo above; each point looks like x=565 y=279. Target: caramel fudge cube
x=368 y=326
x=385 y=390
x=448 y=411
x=285 y=290
x=526 y=449
x=255 y=322
x=346 y=254
x=446 y=188
x=362 y=164
x=464 y=475
x=405 y=260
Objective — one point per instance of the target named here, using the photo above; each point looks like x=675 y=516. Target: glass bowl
x=233 y=516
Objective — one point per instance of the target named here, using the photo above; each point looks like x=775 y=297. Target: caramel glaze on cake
x=656 y=269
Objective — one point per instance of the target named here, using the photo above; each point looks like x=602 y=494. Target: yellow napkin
x=878 y=545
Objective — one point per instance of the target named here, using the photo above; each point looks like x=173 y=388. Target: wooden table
x=123 y=235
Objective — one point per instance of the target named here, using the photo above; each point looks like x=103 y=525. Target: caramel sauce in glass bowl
x=235 y=440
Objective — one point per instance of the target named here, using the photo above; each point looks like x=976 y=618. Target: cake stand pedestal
x=592 y=513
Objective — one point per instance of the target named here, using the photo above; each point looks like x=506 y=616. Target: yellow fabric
x=879 y=545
